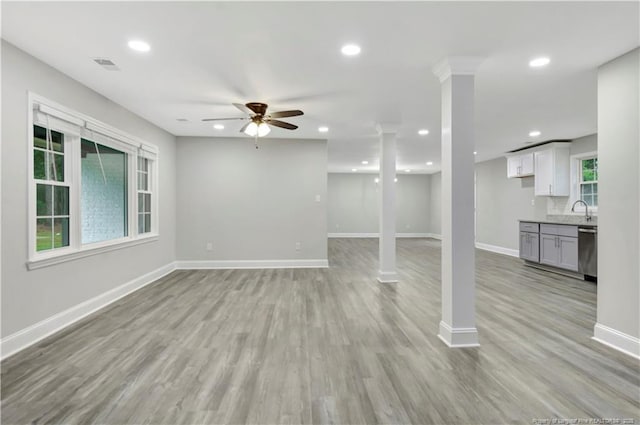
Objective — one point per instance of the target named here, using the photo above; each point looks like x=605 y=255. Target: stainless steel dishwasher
x=588 y=251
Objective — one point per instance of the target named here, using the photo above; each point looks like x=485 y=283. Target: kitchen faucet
x=586 y=209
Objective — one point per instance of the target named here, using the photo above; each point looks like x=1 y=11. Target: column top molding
x=457 y=65
x=387 y=128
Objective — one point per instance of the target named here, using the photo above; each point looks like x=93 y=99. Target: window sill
x=87 y=252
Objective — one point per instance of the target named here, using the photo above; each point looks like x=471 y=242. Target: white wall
x=31 y=296
x=251 y=204
x=435 y=204
x=353 y=203
x=619 y=198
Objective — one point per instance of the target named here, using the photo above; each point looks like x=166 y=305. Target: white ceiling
x=206 y=55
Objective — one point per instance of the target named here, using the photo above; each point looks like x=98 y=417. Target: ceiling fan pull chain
x=256 y=140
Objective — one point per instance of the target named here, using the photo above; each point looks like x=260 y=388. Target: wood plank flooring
x=328 y=346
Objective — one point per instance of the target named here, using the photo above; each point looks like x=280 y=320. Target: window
x=144 y=195
x=588 y=181
x=52 y=189
x=92 y=187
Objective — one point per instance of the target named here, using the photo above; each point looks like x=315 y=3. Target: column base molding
x=458 y=337
x=387 y=277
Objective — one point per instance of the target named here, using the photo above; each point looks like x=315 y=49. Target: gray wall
x=500 y=202
x=31 y=296
x=619 y=194
x=251 y=204
x=353 y=203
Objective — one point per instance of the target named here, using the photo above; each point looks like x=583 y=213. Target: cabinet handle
x=549 y=189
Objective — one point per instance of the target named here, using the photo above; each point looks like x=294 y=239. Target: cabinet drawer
x=559 y=229
x=528 y=227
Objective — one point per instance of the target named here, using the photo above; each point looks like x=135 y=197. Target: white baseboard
x=376 y=235
x=387 y=277
x=26 y=337
x=498 y=249
x=253 y=264
x=458 y=337
x=617 y=340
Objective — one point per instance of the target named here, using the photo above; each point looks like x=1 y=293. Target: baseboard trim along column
x=458 y=337
x=498 y=249
x=253 y=264
x=617 y=340
x=28 y=336
x=387 y=277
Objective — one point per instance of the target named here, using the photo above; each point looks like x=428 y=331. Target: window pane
x=38 y=165
x=595 y=200
x=144 y=223
x=142 y=164
x=142 y=181
x=61 y=200
x=594 y=188
x=104 y=193
x=40 y=139
x=147 y=223
x=43 y=234
x=140 y=223
x=147 y=202
x=56 y=167
x=140 y=202
x=585 y=189
x=60 y=232
x=44 y=199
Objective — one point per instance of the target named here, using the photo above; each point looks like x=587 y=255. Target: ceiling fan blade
x=284 y=114
x=281 y=124
x=257 y=107
x=243 y=108
x=244 y=127
x=224 y=119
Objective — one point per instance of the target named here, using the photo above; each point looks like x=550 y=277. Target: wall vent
x=106 y=64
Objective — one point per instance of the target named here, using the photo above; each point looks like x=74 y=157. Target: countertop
x=568 y=220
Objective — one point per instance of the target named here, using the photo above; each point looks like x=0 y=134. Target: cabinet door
x=544 y=173
x=513 y=166
x=568 y=253
x=549 y=249
x=526 y=165
x=534 y=247
x=525 y=246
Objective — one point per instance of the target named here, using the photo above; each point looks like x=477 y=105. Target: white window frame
x=76 y=126
x=576 y=170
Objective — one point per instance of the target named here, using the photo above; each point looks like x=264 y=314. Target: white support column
x=458 y=325
x=387 y=242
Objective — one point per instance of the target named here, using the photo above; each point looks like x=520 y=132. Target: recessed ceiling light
x=534 y=133
x=423 y=132
x=323 y=129
x=429 y=163
x=538 y=62
x=354 y=169
x=139 y=46
x=475 y=153
x=395 y=180
x=350 y=50
x=218 y=126
x=365 y=162
x=407 y=171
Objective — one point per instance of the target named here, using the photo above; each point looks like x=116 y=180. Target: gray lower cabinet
x=559 y=250
x=529 y=246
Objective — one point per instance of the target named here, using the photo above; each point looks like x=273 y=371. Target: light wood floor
x=328 y=346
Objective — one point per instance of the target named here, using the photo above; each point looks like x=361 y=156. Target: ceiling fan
x=260 y=120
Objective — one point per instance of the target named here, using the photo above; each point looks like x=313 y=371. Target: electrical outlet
x=298 y=246
x=209 y=246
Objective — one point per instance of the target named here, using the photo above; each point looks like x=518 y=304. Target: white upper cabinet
x=552 y=170
x=520 y=165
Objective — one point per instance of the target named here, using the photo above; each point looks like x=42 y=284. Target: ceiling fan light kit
x=260 y=121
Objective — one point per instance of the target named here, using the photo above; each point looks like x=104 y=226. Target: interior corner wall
x=618 y=311
x=29 y=297
x=501 y=202
x=353 y=203
x=251 y=204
